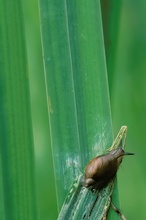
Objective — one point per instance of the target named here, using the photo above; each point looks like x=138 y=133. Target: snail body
x=101 y=169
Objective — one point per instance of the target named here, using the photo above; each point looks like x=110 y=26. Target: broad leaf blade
x=61 y=97
x=76 y=79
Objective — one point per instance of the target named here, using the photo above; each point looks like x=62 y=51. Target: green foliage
x=17 y=185
x=73 y=39
x=129 y=105
x=77 y=88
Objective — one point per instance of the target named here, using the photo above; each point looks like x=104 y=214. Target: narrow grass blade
x=82 y=203
x=111 y=14
x=17 y=187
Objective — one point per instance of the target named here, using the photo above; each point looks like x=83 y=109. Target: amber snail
x=101 y=169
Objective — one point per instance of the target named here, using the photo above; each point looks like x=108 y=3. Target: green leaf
x=111 y=11
x=83 y=203
x=77 y=87
x=17 y=185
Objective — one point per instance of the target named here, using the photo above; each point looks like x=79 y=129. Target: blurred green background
x=128 y=104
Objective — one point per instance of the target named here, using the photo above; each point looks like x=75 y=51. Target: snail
x=101 y=169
